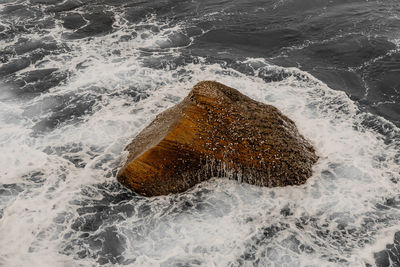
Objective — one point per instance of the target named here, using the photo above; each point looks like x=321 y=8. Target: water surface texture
x=80 y=78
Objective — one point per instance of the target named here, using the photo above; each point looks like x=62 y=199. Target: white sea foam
x=331 y=220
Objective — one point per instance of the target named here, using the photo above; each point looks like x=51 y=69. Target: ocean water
x=80 y=78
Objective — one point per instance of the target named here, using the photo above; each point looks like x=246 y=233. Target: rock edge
x=217 y=132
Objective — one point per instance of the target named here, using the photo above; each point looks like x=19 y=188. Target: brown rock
x=216 y=131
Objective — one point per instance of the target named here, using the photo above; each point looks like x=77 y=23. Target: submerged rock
x=217 y=132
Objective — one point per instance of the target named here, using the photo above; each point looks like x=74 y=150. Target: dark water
x=79 y=79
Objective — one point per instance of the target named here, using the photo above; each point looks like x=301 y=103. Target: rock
x=217 y=132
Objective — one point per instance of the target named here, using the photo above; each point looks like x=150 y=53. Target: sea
x=79 y=79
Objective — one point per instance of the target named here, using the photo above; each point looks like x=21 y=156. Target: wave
x=61 y=148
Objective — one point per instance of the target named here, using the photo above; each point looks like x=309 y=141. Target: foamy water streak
x=61 y=205
x=219 y=222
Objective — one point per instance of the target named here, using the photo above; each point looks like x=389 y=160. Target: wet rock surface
x=66 y=105
x=217 y=132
